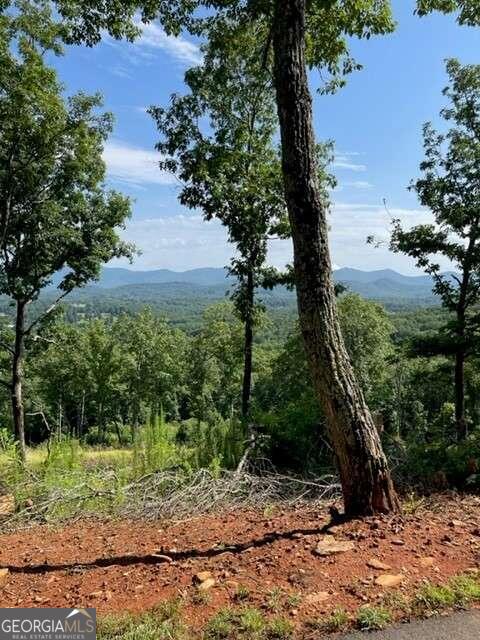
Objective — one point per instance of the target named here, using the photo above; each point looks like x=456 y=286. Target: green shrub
x=442 y=463
x=466 y=589
x=246 y=624
x=221 y=626
x=252 y=623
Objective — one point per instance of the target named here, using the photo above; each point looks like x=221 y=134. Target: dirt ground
x=270 y=560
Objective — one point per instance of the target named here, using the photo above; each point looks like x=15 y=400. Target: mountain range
x=116 y=277
x=385 y=285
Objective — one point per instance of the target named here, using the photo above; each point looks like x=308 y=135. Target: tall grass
x=218 y=445
x=155 y=448
x=69 y=477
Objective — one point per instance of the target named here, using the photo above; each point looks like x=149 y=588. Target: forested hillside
x=101 y=377
x=182 y=297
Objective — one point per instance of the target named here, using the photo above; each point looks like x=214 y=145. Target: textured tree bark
x=248 y=348
x=17 y=380
x=460 y=355
x=461 y=423
x=365 y=477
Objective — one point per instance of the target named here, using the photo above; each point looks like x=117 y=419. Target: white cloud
x=186 y=241
x=344 y=162
x=134 y=165
x=179 y=48
x=351 y=224
x=121 y=72
x=359 y=184
x=179 y=242
x=347 y=160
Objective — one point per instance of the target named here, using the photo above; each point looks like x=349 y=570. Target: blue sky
x=375 y=122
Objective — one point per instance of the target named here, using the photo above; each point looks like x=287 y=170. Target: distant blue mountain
x=113 y=277
x=383 y=284
x=116 y=277
x=346 y=274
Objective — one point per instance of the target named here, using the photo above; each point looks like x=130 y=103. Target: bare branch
x=40 y=413
x=50 y=310
x=176 y=495
x=47 y=340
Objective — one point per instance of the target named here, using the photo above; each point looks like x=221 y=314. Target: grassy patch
x=466 y=589
x=397 y=602
x=293 y=600
x=279 y=629
x=370 y=618
x=338 y=620
x=242 y=593
x=274 y=601
x=432 y=598
x=221 y=626
x=460 y=591
x=162 y=623
x=251 y=623
x=65 y=478
x=247 y=624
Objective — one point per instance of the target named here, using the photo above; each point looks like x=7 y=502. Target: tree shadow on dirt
x=167 y=558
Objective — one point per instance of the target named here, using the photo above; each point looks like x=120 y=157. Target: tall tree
x=55 y=213
x=218 y=140
x=366 y=482
x=286 y=395
x=284 y=28
x=450 y=188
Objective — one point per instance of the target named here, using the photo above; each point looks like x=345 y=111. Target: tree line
x=102 y=381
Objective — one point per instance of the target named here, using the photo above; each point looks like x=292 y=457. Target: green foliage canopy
x=54 y=210
x=468 y=11
x=450 y=187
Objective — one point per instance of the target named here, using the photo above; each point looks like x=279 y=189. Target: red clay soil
x=112 y=565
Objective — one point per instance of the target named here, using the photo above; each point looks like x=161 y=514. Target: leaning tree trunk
x=460 y=355
x=248 y=347
x=17 y=380
x=365 y=477
x=460 y=421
